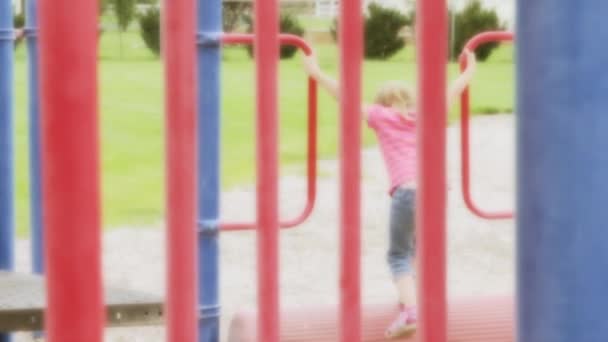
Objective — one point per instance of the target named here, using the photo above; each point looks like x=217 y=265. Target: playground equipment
x=465 y=112
x=311 y=163
x=488 y=319
x=561 y=183
x=561 y=166
x=23 y=299
x=6 y=140
x=23 y=304
x=208 y=220
x=470 y=320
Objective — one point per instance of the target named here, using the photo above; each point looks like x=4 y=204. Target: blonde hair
x=396 y=94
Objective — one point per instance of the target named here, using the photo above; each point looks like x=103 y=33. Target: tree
x=149 y=24
x=234 y=13
x=474 y=19
x=19 y=24
x=125 y=12
x=383 y=30
x=19 y=20
x=103 y=5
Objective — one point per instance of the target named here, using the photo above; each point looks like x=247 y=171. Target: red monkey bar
x=288 y=39
x=476 y=41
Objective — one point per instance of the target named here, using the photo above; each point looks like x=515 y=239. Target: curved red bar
x=486 y=37
x=288 y=39
x=489 y=37
x=284 y=39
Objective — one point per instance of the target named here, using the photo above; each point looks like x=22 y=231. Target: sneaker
x=403 y=325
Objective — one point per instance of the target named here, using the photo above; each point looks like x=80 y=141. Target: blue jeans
x=402 y=241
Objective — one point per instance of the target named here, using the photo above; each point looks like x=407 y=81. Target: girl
x=393 y=119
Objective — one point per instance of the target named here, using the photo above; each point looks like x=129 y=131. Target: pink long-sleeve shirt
x=397 y=141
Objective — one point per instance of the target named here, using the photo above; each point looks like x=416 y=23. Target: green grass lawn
x=314 y=23
x=131 y=102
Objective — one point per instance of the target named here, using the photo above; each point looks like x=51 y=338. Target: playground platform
x=23 y=300
x=475 y=319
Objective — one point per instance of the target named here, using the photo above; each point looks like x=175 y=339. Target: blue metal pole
x=209 y=27
x=562 y=170
x=7 y=214
x=31 y=32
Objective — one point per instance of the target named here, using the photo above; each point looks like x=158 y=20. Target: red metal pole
x=351 y=50
x=311 y=179
x=311 y=172
x=432 y=57
x=266 y=57
x=180 y=98
x=471 y=45
x=70 y=154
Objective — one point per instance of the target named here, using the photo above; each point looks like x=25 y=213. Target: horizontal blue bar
x=7 y=34
x=209 y=311
x=30 y=32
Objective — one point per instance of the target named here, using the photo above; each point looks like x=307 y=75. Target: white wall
x=401 y=5
x=505 y=8
x=17 y=6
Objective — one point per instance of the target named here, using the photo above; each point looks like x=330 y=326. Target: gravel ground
x=480 y=252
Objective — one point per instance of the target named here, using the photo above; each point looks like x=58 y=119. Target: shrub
x=381 y=29
x=103 y=5
x=149 y=24
x=234 y=13
x=474 y=19
x=19 y=20
x=18 y=24
x=125 y=11
x=287 y=24
x=382 y=26
x=333 y=29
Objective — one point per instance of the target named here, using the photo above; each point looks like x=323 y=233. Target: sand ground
x=480 y=254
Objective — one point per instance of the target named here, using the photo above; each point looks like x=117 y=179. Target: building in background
x=18 y=6
x=329 y=8
x=505 y=8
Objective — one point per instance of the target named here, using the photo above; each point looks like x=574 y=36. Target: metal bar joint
x=30 y=32
x=209 y=38
x=208 y=311
x=7 y=34
x=208 y=227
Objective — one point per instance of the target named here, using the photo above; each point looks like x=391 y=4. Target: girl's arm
x=312 y=68
x=462 y=82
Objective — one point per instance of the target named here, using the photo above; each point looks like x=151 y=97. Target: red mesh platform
x=469 y=320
